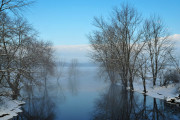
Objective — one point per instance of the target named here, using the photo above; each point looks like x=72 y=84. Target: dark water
x=82 y=95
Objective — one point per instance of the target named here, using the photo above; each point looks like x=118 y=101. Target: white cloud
x=176 y=39
x=81 y=52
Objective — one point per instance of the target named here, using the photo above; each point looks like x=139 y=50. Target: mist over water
x=81 y=94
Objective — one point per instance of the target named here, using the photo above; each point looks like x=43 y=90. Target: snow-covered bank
x=9 y=108
x=161 y=92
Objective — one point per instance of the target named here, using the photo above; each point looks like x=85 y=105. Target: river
x=83 y=95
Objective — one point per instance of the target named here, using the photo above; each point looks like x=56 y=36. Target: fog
x=82 y=52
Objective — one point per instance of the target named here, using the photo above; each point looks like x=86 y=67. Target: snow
x=9 y=108
x=161 y=92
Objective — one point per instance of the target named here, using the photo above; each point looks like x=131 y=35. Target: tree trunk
x=131 y=83
x=154 y=81
x=144 y=84
x=15 y=94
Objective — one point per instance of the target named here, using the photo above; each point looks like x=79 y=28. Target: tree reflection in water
x=38 y=106
x=40 y=100
x=73 y=73
x=120 y=104
x=115 y=103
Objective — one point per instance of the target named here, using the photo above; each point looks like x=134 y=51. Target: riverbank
x=9 y=108
x=168 y=93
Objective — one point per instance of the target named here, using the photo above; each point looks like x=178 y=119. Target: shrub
x=171 y=76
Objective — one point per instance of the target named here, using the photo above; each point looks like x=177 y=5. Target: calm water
x=83 y=95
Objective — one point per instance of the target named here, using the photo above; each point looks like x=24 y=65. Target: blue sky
x=67 y=22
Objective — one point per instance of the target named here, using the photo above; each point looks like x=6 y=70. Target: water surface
x=80 y=94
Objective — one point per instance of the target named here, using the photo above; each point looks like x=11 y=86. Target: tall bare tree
x=142 y=68
x=23 y=57
x=117 y=43
x=159 y=46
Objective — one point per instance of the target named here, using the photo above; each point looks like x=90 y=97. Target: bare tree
x=7 y=31
x=59 y=69
x=159 y=46
x=102 y=43
x=13 y=5
x=142 y=68
x=22 y=57
x=117 y=44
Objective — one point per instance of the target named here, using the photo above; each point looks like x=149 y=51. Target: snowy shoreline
x=9 y=108
x=168 y=93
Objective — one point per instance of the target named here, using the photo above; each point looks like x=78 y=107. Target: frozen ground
x=161 y=92
x=9 y=108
